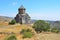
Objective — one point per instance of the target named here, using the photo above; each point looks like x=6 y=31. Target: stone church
x=22 y=17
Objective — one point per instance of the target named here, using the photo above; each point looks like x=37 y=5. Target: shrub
x=11 y=37
x=41 y=25
x=12 y=22
x=25 y=30
x=55 y=30
x=26 y=33
x=28 y=30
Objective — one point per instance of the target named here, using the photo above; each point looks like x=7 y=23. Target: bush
x=26 y=33
x=40 y=26
x=28 y=30
x=25 y=30
x=55 y=30
x=12 y=22
x=11 y=37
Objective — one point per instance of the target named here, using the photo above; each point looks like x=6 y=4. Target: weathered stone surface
x=22 y=17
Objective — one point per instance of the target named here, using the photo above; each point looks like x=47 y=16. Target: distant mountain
x=33 y=21
x=52 y=23
x=55 y=24
x=4 y=18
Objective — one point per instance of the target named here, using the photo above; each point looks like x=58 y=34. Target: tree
x=12 y=22
x=41 y=25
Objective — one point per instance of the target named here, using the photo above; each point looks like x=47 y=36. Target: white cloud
x=14 y=3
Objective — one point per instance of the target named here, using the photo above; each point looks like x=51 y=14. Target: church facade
x=22 y=17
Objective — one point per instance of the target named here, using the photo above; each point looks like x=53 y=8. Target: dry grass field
x=4 y=27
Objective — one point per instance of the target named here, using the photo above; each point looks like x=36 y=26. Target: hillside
x=6 y=29
x=52 y=23
x=5 y=18
x=55 y=24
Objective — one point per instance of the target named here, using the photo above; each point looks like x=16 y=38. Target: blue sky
x=37 y=9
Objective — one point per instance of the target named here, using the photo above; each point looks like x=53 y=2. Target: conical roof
x=21 y=7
